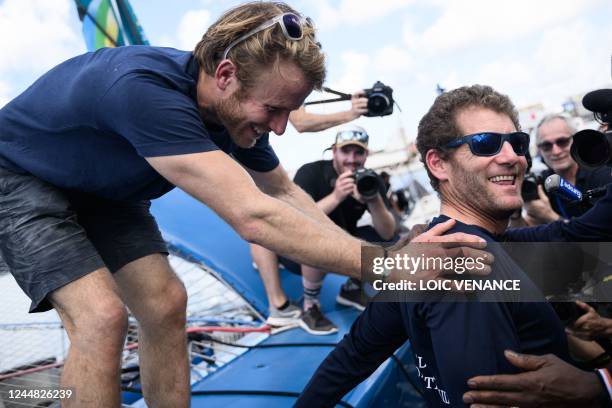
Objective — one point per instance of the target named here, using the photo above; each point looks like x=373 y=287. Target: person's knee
x=103 y=324
x=169 y=307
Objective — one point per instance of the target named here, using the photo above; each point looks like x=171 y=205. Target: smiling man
x=84 y=149
x=475 y=158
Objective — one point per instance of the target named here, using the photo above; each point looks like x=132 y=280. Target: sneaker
x=350 y=295
x=290 y=315
x=314 y=322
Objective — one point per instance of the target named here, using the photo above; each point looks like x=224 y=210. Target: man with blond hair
x=84 y=149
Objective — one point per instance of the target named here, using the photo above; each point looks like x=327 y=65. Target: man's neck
x=473 y=217
x=570 y=173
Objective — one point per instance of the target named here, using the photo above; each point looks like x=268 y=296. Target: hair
x=439 y=127
x=265 y=49
x=549 y=118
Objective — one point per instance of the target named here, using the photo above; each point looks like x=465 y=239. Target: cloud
x=391 y=60
x=192 y=26
x=37 y=35
x=354 y=73
x=563 y=62
x=465 y=23
x=354 y=12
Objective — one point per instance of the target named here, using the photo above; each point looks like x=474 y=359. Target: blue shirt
x=88 y=123
x=451 y=341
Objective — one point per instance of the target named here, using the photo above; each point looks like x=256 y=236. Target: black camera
x=591 y=148
x=380 y=100
x=368 y=183
x=529 y=189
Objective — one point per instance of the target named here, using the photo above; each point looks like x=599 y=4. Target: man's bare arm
x=382 y=219
x=220 y=183
x=314 y=122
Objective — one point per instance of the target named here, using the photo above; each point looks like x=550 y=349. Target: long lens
x=592 y=149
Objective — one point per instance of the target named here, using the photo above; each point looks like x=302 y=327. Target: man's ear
x=225 y=74
x=438 y=166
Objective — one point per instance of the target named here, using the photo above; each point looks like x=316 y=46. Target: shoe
x=314 y=322
x=350 y=295
x=288 y=316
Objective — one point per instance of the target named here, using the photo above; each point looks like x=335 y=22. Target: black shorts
x=50 y=237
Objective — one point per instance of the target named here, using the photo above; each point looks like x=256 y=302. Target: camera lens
x=591 y=148
x=377 y=103
x=367 y=183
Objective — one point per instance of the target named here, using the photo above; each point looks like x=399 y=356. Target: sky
x=535 y=51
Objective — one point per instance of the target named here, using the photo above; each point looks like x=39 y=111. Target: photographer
x=554 y=140
x=333 y=186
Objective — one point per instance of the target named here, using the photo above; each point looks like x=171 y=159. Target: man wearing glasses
x=554 y=140
x=475 y=158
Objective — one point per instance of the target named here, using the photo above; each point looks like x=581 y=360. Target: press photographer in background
x=554 y=136
x=344 y=190
x=370 y=102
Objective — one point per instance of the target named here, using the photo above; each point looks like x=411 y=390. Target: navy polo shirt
x=89 y=123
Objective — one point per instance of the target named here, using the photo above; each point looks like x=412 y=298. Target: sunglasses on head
x=561 y=142
x=352 y=135
x=490 y=143
x=290 y=23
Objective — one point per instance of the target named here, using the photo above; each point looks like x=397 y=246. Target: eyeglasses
x=490 y=143
x=352 y=136
x=290 y=23
x=561 y=142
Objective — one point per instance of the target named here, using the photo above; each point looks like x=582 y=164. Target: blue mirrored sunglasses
x=490 y=143
x=290 y=23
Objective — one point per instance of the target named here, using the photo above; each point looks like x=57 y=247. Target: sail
x=109 y=23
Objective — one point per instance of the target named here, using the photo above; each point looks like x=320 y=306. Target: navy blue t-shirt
x=451 y=342
x=88 y=123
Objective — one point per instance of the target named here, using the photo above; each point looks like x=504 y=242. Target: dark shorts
x=50 y=237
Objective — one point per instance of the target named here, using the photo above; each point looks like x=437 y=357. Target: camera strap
x=342 y=97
